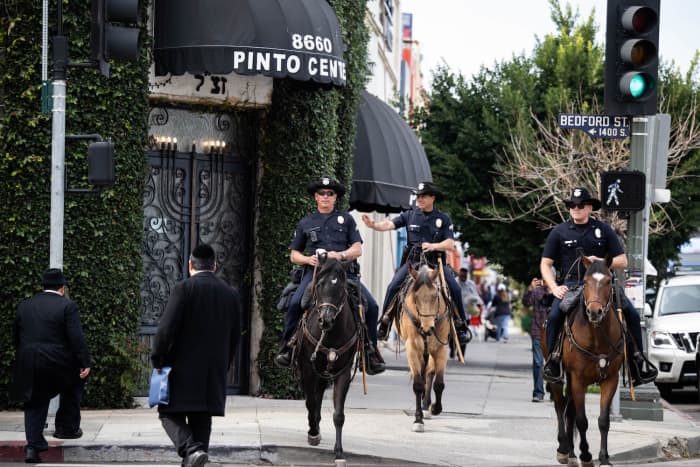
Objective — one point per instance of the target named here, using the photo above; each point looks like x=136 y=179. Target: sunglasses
x=325 y=193
x=577 y=206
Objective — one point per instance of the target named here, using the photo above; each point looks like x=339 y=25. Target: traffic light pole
x=58 y=143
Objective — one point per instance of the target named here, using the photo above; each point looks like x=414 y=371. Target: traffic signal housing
x=101 y=164
x=623 y=190
x=632 y=57
x=114 y=42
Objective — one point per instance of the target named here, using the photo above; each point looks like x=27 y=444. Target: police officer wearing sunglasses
x=598 y=241
x=336 y=232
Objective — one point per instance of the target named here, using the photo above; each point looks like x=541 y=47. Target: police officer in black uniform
x=336 y=232
x=598 y=241
x=431 y=231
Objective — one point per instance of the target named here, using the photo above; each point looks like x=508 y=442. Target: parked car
x=673 y=327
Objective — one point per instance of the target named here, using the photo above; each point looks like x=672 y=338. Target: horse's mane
x=598 y=266
x=422 y=279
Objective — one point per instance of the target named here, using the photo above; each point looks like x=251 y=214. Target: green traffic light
x=637 y=86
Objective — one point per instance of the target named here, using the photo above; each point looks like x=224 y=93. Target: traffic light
x=101 y=164
x=623 y=190
x=110 y=42
x=632 y=57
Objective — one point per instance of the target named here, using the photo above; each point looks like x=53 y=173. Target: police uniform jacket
x=595 y=237
x=433 y=227
x=335 y=231
x=198 y=336
x=50 y=345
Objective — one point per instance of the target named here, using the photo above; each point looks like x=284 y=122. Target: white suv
x=672 y=331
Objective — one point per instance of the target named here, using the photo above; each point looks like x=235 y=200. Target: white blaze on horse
x=424 y=326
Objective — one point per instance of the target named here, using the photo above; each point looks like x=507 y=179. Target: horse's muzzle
x=595 y=317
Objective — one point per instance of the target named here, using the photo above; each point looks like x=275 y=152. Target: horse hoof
x=340 y=463
x=562 y=458
x=435 y=409
x=427 y=414
x=314 y=440
x=418 y=428
x=588 y=464
x=573 y=462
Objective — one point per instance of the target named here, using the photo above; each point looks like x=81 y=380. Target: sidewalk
x=489 y=420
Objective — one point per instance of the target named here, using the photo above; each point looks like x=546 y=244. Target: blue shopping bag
x=158 y=392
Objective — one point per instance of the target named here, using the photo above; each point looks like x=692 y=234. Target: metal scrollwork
x=158 y=116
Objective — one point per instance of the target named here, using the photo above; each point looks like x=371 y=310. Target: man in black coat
x=197 y=336
x=52 y=359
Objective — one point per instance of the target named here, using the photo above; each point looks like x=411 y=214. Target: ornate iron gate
x=192 y=198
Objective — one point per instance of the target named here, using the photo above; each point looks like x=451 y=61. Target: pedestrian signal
x=623 y=190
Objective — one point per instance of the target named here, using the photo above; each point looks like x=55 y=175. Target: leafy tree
x=495 y=147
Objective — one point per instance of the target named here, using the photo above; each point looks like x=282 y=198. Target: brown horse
x=424 y=325
x=592 y=352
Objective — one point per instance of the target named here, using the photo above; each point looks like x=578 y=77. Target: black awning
x=389 y=160
x=300 y=39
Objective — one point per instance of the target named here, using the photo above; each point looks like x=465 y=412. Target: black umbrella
x=389 y=160
x=300 y=39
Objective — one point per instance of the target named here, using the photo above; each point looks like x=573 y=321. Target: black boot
x=642 y=370
x=375 y=363
x=384 y=327
x=284 y=358
x=464 y=334
x=552 y=371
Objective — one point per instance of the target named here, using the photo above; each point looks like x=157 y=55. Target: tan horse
x=592 y=352
x=424 y=325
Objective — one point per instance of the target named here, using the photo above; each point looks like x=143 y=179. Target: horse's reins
x=603 y=360
x=332 y=354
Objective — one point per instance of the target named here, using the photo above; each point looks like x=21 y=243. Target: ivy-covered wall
x=102 y=235
x=310 y=131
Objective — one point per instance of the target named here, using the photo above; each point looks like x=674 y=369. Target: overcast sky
x=466 y=33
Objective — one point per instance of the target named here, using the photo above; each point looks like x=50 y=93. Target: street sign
x=597 y=126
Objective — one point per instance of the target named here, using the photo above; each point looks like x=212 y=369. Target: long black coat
x=197 y=336
x=50 y=345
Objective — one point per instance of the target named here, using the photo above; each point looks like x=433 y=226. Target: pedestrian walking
x=52 y=359
x=503 y=312
x=197 y=337
x=538 y=297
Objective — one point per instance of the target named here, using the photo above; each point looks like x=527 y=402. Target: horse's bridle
x=604 y=306
x=437 y=315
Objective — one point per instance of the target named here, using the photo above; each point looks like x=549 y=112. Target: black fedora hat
x=53 y=278
x=328 y=183
x=582 y=196
x=428 y=188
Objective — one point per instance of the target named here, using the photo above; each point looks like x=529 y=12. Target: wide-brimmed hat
x=582 y=196
x=428 y=188
x=327 y=183
x=53 y=278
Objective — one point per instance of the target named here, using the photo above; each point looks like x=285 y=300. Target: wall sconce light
x=165 y=143
x=214 y=146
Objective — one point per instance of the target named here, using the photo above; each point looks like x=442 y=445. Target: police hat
x=581 y=196
x=428 y=188
x=53 y=278
x=328 y=183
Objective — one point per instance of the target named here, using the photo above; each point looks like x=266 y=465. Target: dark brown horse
x=331 y=337
x=424 y=325
x=592 y=352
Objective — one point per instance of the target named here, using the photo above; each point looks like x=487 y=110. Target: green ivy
x=102 y=246
x=310 y=131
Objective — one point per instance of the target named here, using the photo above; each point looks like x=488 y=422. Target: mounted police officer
x=430 y=231
x=597 y=240
x=336 y=232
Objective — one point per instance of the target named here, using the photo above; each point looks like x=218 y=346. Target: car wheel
x=664 y=390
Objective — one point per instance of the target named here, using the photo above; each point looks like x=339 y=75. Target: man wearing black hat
x=598 y=241
x=335 y=232
x=197 y=337
x=52 y=359
x=429 y=231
